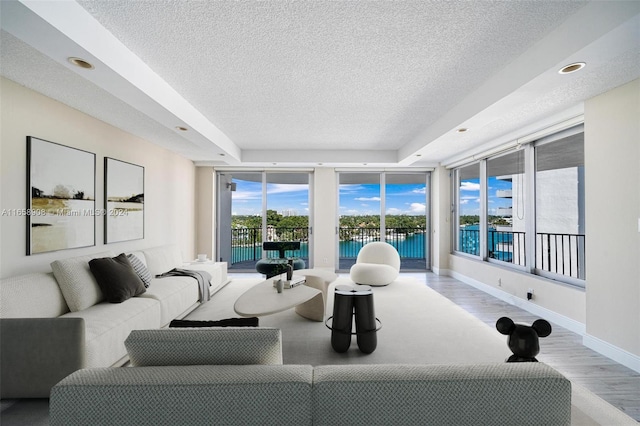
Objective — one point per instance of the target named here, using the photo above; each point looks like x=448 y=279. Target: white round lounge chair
x=377 y=264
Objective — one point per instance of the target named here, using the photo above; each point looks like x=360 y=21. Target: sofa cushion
x=521 y=393
x=35 y=295
x=117 y=278
x=230 y=395
x=201 y=346
x=162 y=259
x=76 y=281
x=140 y=268
x=175 y=294
x=107 y=325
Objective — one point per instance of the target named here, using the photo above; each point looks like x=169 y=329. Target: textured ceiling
x=340 y=82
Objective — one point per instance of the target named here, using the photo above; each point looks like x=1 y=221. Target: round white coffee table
x=263 y=299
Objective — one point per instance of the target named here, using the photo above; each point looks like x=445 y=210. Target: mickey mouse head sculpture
x=523 y=339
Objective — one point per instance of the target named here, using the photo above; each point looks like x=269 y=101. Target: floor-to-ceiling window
x=560 y=225
x=524 y=207
x=406 y=217
x=261 y=206
x=384 y=206
x=468 y=202
x=506 y=208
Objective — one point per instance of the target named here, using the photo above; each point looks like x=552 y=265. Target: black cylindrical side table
x=342 y=316
x=365 y=320
x=350 y=301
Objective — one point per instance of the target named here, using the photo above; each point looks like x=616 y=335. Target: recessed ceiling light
x=221 y=154
x=181 y=128
x=568 y=69
x=462 y=130
x=80 y=63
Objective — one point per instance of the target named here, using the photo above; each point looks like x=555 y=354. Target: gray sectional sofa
x=234 y=376
x=52 y=324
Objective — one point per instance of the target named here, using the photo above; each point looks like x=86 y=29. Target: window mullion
x=483 y=210
x=530 y=207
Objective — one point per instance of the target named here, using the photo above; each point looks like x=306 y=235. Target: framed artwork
x=60 y=197
x=124 y=201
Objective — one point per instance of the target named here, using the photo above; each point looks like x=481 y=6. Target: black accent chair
x=272 y=266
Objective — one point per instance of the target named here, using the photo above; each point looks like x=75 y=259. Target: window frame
x=528 y=146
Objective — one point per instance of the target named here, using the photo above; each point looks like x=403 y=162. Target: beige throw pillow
x=78 y=285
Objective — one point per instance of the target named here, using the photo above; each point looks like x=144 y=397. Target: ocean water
x=410 y=247
x=469 y=242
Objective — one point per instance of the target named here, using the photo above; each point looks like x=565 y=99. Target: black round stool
x=350 y=301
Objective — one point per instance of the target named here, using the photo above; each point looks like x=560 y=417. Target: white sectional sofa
x=52 y=324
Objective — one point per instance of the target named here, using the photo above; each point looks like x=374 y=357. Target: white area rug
x=419 y=326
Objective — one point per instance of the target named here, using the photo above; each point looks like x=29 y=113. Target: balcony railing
x=409 y=242
x=247 y=242
x=562 y=254
x=507 y=246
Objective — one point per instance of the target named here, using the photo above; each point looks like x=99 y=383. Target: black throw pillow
x=229 y=322
x=116 y=278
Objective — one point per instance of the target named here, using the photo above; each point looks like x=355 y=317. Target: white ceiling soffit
x=338 y=83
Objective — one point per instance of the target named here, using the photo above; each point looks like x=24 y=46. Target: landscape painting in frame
x=61 y=197
x=124 y=201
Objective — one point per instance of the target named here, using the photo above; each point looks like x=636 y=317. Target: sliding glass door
x=384 y=206
x=261 y=206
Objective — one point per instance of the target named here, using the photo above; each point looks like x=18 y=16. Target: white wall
x=169 y=178
x=205 y=212
x=612 y=167
x=440 y=219
x=325 y=205
x=607 y=313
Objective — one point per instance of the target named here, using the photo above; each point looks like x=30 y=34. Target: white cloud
x=418 y=208
x=469 y=186
x=246 y=195
x=422 y=190
x=279 y=188
x=367 y=199
x=394 y=210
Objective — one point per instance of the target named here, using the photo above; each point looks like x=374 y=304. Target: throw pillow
x=229 y=322
x=140 y=269
x=116 y=278
x=78 y=286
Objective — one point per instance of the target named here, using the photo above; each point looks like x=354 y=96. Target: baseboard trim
x=613 y=352
x=441 y=271
x=549 y=315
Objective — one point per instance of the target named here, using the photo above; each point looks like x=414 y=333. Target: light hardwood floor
x=563 y=349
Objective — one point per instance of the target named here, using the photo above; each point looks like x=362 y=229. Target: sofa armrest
x=205 y=346
x=36 y=353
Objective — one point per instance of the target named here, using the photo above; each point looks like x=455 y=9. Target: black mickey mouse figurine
x=523 y=339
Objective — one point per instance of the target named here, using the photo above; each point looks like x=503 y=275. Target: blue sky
x=247 y=198
x=361 y=199
x=470 y=196
x=364 y=199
